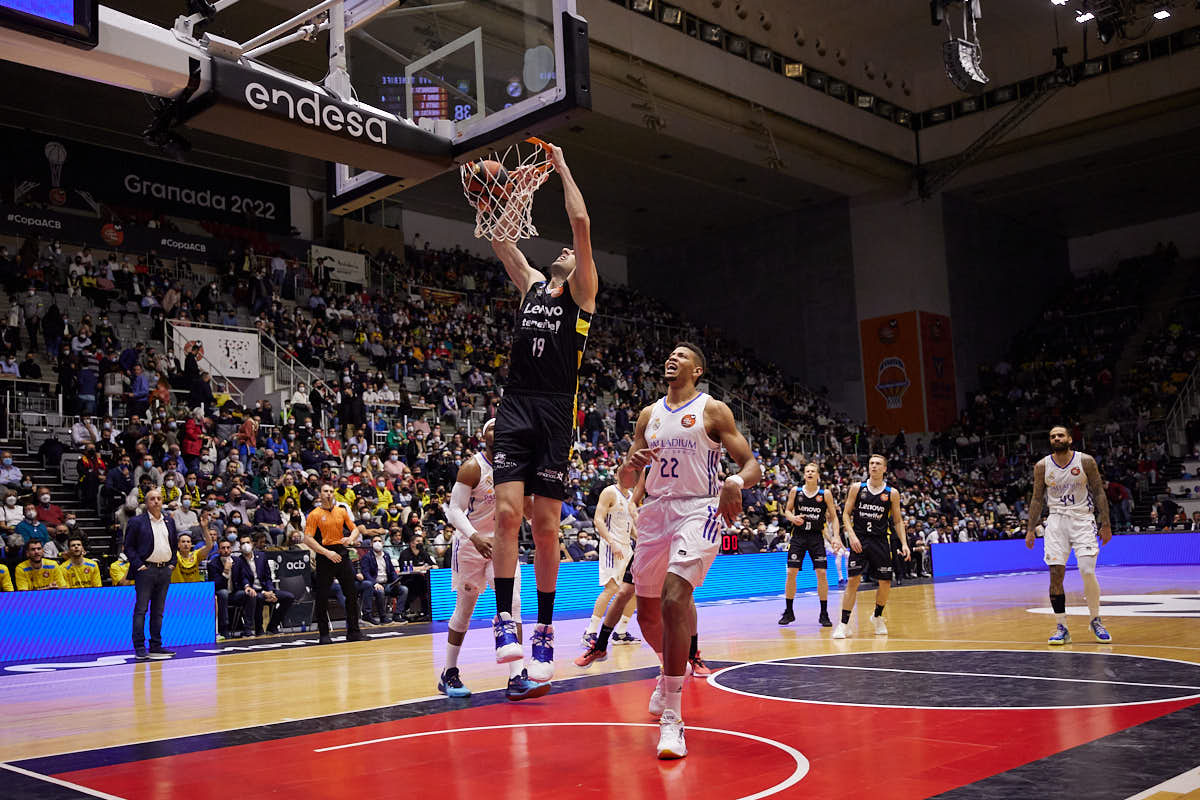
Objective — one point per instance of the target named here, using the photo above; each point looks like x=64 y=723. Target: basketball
x=487 y=176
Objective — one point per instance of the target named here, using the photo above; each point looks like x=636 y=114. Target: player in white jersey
x=614 y=518
x=1068 y=483
x=687 y=509
x=472 y=512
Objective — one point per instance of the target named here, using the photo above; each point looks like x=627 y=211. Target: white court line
x=802 y=765
x=57 y=782
x=983 y=674
x=1179 y=785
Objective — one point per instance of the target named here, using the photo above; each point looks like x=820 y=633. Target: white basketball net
x=503 y=201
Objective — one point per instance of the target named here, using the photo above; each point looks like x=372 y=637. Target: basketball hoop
x=501 y=191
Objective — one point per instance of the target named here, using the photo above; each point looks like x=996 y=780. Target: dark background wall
x=1001 y=271
x=784 y=287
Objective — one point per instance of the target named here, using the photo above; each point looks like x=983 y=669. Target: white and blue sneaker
x=508 y=648
x=624 y=638
x=1060 y=636
x=451 y=685
x=1099 y=631
x=521 y=687
x=588 y=640
x=541 y=665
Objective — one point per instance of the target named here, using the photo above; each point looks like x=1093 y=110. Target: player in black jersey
x=872 y=511
x=536 y=419
x=809 y=507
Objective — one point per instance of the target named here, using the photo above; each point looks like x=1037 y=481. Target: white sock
x=452 y=654
x=594 y=625
x=622 y=626
x=673 y=692
x=515 y=667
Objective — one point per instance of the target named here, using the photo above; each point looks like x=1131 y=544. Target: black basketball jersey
x=548 y=342
x=811 y=510
x=872 y=513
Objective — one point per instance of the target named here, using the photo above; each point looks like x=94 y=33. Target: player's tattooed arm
x=1037 y=503
x=1099 y=497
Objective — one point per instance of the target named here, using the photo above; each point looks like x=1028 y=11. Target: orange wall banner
x=891 y=351
x=937 y=354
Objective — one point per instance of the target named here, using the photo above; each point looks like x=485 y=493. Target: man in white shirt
x=150 y=546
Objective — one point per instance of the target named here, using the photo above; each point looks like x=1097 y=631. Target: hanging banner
x=232 y=353
x=444 y=297
x=60 y=172
x=941 y=388
x=347 y=267
x=891 y=352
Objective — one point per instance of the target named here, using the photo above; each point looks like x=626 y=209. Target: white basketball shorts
x=470 y=571
x=1065 y=533
x=611 y=567
x=675 y=535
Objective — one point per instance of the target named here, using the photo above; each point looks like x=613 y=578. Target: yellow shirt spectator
x=45 y=576
x=346 y=496
x=118 y=571
x=385 y=500
x=84 y=576
x=187 y=568
x=285 y=492
x=5 y=579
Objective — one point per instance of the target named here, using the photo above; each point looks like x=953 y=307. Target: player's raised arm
x=729 y=504
x=639 y=456
x=516 y=265
x=1099 y=497
x=584 y=281
x=1036 y=503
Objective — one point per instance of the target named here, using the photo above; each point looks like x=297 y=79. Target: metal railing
x=1187 y=405
x=231 y=387
x=287 y=369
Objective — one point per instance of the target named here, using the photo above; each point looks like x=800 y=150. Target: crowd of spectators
x=400 y=380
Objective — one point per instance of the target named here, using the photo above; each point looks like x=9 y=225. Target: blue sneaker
x=624 y=638
x=588 y=640
x=520 y=687
x=451 y=685
x=1060 y=636
x=507 y=647
x=1099 y=631
x=541 y=665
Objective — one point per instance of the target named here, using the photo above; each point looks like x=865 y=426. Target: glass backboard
x=472 y=71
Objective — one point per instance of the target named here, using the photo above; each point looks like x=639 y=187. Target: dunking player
x=472 y=512
x=808 y=508
x=614 y=519
x=679 y=528
x=872 y=509
x=536 y=418
x=1077 y=502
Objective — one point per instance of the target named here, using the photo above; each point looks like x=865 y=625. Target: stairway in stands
x=98 y=541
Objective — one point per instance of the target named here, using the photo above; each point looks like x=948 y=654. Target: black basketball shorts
x=876 y=558
x=811 y=543
x=533 y=443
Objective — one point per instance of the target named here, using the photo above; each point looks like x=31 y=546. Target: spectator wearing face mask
x=220 y=572
x=146 y=467
x=254 y=589
x=185 y=514
x=31 y=529
x=84 y=431
x=10 y=475
x=380 y=584
x=11 y=514
x=268 y=516
x=240 y=501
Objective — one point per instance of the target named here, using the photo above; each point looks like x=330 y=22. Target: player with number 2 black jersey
x=872 y=512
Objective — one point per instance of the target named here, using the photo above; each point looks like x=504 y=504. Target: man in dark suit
x=377 y=582
x=220 y=572
x=253 y=587
x=150 y=541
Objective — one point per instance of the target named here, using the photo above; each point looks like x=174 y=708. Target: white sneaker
x=670 y=736
x=841 y=631
x=658 y=699
x=541 y=662
x=880 y=626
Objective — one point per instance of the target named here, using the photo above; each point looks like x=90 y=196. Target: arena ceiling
x=685 y=185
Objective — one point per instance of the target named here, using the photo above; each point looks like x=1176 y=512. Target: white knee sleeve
x=460 y=620
x=1087 y=565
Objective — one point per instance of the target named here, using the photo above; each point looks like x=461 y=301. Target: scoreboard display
x=73 y=22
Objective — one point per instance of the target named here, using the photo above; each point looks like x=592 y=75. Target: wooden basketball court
x=963 y=700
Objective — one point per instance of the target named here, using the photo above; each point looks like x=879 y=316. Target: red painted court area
x=554 y=747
